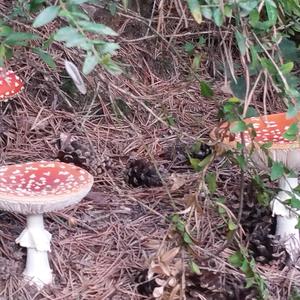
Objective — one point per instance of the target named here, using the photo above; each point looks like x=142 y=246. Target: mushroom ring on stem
x=270 y=128
x=32 y=189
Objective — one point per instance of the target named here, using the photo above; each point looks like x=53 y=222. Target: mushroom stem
x=37 y=241
x=287 y=218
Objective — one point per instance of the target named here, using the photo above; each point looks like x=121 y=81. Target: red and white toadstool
x=270 y=128
x=33 y=189
x=10 y=84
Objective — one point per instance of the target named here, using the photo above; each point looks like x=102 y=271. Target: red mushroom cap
x=268 y=128
x=10 y=84
x=42 y=186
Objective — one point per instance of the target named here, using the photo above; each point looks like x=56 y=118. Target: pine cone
x=102 y=164
x=145 y=286
x=84 y=156
x=200 y=150
x=259 y=225
x=217 y=286
x=141 y=173
x=76 y=153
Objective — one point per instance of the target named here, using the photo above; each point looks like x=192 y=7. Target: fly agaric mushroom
x=35 y=188
x=270 y=128
x=10 y=84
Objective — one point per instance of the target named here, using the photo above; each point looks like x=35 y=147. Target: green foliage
x=240 y=260
x=194 y=268
x=292 y=132
x=238 y=126
x=277 y=170
x=253 y=23
x=80 y=32
x=210 y=179
x=180 y=228
x=199 y=164
x=205 y=89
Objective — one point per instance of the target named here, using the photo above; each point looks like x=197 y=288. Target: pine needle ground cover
x=149 y=229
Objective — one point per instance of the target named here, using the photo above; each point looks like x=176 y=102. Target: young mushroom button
x=270 y=128
x=10 y=84
x=33 y=189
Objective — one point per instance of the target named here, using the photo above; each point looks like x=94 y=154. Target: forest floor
x=103 y=247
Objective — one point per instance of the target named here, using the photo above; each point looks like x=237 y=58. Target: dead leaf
x=191 y=201
x=173 y=294
x=158 y=292
x=160 y=268
x=169 y=255
x=226 y=89
x=172 y=282
x=152 y=244
x=72 y=221
x=178 y=182
x=76 y=77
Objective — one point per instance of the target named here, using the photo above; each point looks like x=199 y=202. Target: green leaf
x=210 y=179
x=187 y=239
x=218 y=16
x=236 y=259
x=78 y=1
x=277 y=170
x=194 y=268
x=180 y=226
x=46 y=57
x=272 y=14
x=298 y=224
x=205 y=89
x=289 y=50
x=171 y=120
x=292 y=111
x=238 y=126
x=221 y=210
x=241 y=41
x=110 y=65
x=294 y=203
x=239 y=87
x=292 y=132
x=241 y=162
x=251 y=112
x=228 y=10
x=207 y=12
x=267 y=145
x=188 y=47
x=287 y=68
x=97 y=28
x=234 y=100
x=268 y=65
x=196 y=62
x=5 y=30
x=245 y=267
x=198 y=165
x=16 y=37
x=64 y=33
x=248 y=5
x=250 y=281
x=46 y=16
x=195 y=9
x=34 y=5
x=231 y=225
x=89 y=64
x=125 y=4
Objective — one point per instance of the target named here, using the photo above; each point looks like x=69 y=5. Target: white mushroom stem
x=287 y=218
x=37 y=241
